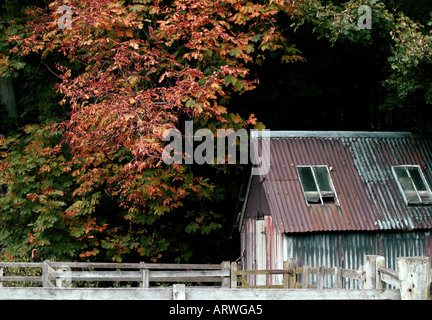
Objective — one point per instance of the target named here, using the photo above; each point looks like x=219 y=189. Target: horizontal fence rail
x=63 y=273
x=65 y=280
x=291 y=275
x=183 y=292
x=412 y=280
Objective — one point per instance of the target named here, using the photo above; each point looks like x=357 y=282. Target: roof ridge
x=332 y=134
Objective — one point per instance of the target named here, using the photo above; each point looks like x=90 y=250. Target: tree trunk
x=7 y=97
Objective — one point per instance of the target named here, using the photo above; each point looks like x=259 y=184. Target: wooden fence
x=294 y=277
x=412 y=278
x=411 y=281
x=64 y=273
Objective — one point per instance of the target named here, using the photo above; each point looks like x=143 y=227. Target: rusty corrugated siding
x=330 y=249
x=369 y=198
x=348 y=249
x=259 y=254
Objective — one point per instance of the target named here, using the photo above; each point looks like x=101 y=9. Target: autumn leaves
x=130 y=72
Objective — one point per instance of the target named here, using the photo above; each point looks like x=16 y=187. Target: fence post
x=226 y=280
x=320 y=277
x=415 y=277
x=234 y=268
x=285 y=276
x=305 y=277
x=290 y=279
x=46 y=271
x=63 y=276
x=293 y=266
x=179 y=292
x=338 y=280
x=145 y=280
x=372 y=265
x=1 y=275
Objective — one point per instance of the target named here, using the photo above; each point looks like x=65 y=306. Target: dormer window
x=412 y=184
x=317 y=184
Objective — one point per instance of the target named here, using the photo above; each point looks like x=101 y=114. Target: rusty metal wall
x=259 y=255
x=348 y=249
x=330 y=249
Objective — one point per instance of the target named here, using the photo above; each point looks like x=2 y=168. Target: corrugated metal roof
x=361 y=162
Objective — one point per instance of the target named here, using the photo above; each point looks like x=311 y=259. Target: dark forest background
x=338 y=87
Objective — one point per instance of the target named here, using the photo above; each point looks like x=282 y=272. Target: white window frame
x=419 y=193
x=320 y=193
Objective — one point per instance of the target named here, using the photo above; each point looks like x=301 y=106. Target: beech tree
x=134 y=70
x=94 y=186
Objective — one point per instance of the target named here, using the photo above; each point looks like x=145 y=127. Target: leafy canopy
x=94 y=185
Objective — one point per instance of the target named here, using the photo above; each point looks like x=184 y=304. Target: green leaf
x=257 y=37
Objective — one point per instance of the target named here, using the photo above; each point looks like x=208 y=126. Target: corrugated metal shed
x=348 y=249
x=361 y=162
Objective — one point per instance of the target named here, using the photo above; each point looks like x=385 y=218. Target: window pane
x=328 y=199
x=407 y=185
x=307 y=179
x=412 y=197
x=323 y=179
x=404 y=180
x=417 y=178
x=426 y=197
x=312 y=197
